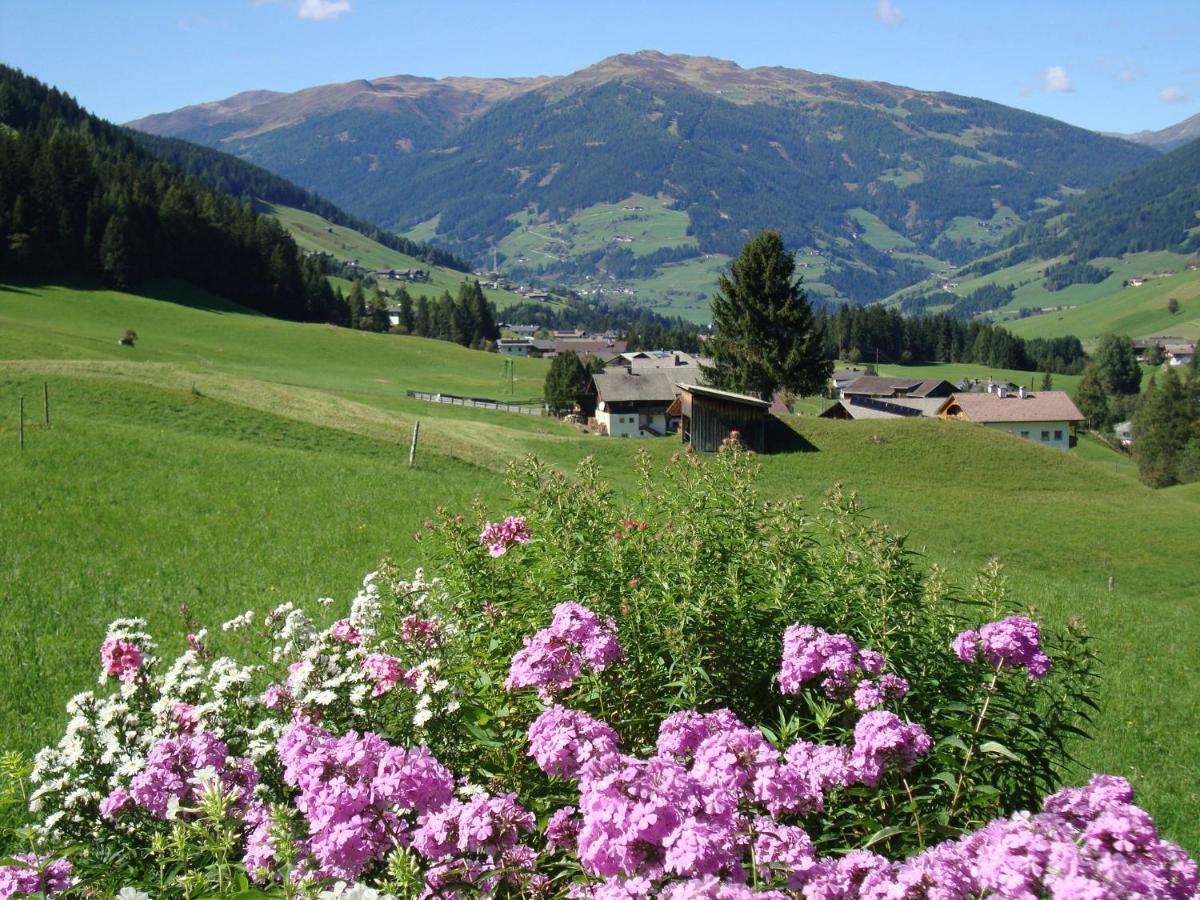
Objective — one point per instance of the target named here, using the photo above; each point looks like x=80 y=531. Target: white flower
x=422 y=716
x=325 y=601
x=129 y=893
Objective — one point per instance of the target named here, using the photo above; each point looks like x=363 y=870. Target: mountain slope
x=1109 y=259
x=473 y=161
x=1167 y=139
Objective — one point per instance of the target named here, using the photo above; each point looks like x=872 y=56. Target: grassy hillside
x=312 y=232
x=1089 y=310
x=230 y=461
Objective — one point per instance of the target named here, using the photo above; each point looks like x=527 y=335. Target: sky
x=1108 y=65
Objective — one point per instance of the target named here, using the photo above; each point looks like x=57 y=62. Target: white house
x=515 y=346
x=1046 y=417
x=634 y=404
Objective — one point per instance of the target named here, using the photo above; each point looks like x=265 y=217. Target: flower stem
x=974 y=740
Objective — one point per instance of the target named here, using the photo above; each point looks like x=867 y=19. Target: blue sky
x=1110 y=66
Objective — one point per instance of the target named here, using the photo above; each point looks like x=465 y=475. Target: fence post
x=46 y=402
x=412 y=449
x=21 y=422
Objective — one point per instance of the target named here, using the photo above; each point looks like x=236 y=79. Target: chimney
x=678 y=362
x=1021 y=392
x=1001 y=391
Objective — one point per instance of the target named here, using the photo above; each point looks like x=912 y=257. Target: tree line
x=467 y=319
x=77 y=194
x=879 y=334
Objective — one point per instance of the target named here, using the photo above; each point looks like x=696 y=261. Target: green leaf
x=883 y=834
x=998 y=749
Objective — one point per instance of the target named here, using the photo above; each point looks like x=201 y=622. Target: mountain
x=1167 y=139
x=680 y=159
x=1110 y=259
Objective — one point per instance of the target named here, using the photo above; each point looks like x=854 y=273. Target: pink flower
x=387 y=672
x=186 y=716
x=343 y=631
x=121 y=658
x=499 y=536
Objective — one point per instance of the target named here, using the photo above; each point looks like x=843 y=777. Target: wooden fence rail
x=477 y=402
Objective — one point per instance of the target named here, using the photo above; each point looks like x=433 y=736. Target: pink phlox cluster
x=783 y=850
x=120 y=658
x=563 y=742
x=359 y=795
x=810 y=652
x=38 y=876
x=343 y=631
x=554 y=657
x=387 y=672
x=174 y=771
x=117 y=802
x=480 y=840
x=418 y=632
x=276 y=697
x=679 y=734
x=882 y=740
x=185 y=716
x=1011 y=643
x=630 y=811
x=808 y=773
x=562 y=830
x=499 y=536
x=261 y=858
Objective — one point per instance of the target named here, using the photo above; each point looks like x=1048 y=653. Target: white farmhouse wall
x=620 y=424
x=1048 y=434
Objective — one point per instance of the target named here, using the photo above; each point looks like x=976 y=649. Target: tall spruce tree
x=564 y=382
x=765 y=337
x=1117 y=364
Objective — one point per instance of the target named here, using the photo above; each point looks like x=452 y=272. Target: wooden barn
x=708 y=415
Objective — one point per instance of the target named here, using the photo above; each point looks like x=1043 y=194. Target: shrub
x=686 y=693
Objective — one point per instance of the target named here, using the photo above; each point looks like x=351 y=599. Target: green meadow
x=314 y=233
x=230 y=461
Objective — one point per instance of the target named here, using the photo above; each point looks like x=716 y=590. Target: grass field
x=231 y=461
x=312 y=232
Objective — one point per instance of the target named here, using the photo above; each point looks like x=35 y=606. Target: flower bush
x=687 y=694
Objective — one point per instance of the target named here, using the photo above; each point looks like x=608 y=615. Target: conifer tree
x=358 y=305
x=423 y=318
x=765 y=339
x=1092 y=399
x=404 y=302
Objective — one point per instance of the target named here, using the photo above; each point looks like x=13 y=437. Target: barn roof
x=701 y=391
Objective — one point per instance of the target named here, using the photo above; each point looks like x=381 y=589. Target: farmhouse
x=1179 y=354
x=1047 y=417
x=888 y=386
x=515 y=346
x=842 y=377
x=634 y=404
x=707 y=416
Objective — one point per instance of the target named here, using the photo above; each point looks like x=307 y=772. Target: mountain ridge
x=471 y=162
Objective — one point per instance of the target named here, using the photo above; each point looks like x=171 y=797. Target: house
x=522 y=330
x=603 y=349
x=1180 y=354
x=515 y=346
x=659 y=359
x=888 y=386
x=707 y=416
x=842 y=377
x=633 y=404
x=1124 y=433
x=1143 y=345
x=1047 y=417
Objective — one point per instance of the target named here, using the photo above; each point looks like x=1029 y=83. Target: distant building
x=1046 y=417
x=515 y=346
x=889 y=386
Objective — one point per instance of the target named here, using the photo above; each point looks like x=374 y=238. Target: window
x=1024 y=434
x=1058 y=435
x=1045 y=435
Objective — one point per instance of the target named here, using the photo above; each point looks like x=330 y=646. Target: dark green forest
x=77 y=194
x=879 y=334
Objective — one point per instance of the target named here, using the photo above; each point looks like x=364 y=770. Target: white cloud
x=1056 y=81
x=1129 y=74
x=1172 y=94
x=323 y=10
x=887 y=13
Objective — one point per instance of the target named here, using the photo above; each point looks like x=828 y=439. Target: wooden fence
x=478 y=403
